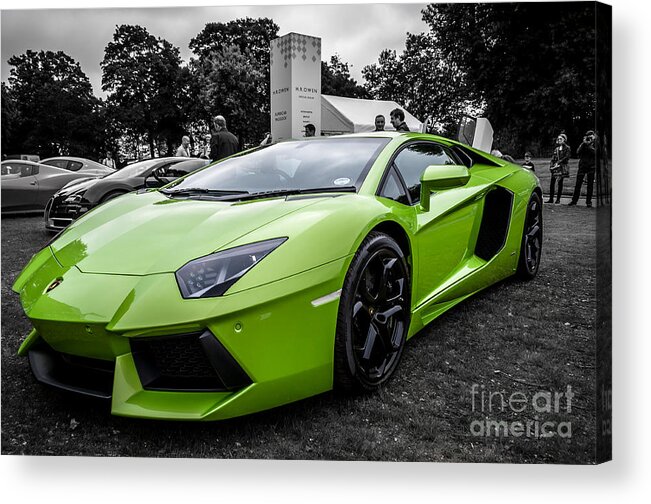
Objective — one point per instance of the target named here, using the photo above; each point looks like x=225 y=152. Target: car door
x=444 y=232
x=19 y=186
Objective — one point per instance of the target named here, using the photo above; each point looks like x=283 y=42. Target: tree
x=50 y=106
x=336 y=80
x=532 y=66
x=248 y=41
x=251 y=36
x=10 y=118
x=145 y=83
x=423 y=81
x=385 y=79
x=228 y=82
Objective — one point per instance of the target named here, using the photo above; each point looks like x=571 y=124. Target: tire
x=532 y=239
x=111 y=195
x=374 y=315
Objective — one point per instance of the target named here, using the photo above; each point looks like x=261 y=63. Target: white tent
x=353 y=115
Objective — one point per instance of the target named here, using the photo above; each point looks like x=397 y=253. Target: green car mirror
x=438 y=177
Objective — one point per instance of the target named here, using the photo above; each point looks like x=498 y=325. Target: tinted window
x=185 y=167
x=75 y=165
x=58 y=163
x=21 y=169
x=412 y=161
x=393 y=189
x=134 y=170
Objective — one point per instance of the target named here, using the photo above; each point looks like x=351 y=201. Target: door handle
x=32 y=183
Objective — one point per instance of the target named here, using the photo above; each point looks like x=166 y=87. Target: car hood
x=78 y=186
x=148 y=233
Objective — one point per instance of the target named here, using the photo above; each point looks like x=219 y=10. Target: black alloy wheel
x=374 y=315
x=532 y=238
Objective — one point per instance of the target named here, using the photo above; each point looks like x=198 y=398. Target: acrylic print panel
x=244 y=309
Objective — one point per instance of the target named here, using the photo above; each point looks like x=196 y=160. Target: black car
x=77 y=198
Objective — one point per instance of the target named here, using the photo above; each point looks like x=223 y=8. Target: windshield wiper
x=192 y=191
x=290 y=192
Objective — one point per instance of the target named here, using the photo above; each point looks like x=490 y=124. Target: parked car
x=76 y=199
x=93 y=168
x=275 y=275
x=27 y=186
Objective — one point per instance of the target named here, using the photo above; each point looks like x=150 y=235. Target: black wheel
x=112 y=195
x=532 y=237
x=374 y=314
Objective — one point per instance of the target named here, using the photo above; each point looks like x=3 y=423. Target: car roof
x=69 y=158
x=24 y=161
x=394 y=134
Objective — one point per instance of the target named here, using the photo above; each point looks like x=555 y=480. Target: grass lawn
x=514 y=338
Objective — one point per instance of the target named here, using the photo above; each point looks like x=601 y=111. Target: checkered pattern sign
x=295 y=45
x=295 y=85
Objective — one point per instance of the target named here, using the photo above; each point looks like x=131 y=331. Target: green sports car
x=274 y=275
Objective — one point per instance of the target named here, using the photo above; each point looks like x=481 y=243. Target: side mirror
x=441 y=177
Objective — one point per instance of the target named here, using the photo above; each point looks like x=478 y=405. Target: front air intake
x=195 y=362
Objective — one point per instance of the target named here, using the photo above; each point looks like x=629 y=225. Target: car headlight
x=212 y=275
x=75 y=198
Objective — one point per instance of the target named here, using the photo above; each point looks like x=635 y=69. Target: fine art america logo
x=534 y=413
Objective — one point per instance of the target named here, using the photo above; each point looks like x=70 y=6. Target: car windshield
x=294 y=165
x=134 y=170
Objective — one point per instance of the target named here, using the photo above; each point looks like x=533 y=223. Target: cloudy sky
x=357 y=31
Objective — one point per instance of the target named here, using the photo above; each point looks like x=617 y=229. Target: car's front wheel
x=374 y=315
x=532 y=237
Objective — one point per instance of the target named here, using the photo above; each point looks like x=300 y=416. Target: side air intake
x=494 y=223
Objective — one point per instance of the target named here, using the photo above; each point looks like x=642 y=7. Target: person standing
x=528 y=164
x=268 y=139
x=587 y=154
x=397 y=117
x=204 y=152
x=222 y=143
x=380 y=121
x=184 y=148
x=108 y=160
x=310 y=130
x=559 y=167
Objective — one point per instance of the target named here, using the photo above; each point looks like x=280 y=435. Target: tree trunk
x=151 y=143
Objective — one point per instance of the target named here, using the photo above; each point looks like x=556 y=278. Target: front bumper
x=279 y=345
x=59 y=213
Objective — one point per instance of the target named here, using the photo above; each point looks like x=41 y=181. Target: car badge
x=54 y=284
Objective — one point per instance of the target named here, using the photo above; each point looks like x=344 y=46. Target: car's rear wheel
x=532 y=237
x=374 y=314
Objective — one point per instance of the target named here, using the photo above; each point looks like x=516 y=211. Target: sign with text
x=295 y=85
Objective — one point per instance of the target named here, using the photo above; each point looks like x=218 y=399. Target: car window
x=75 y=165
x=57 y=163
x=293 y=165
x=185 y=167
x=412 y=161
x=21 y=169
x=164 y=170
x=394 y=189
x=134 y=170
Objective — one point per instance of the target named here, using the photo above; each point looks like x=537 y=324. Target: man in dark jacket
x=222 y=143
x=397 y=117
x=587 y=157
